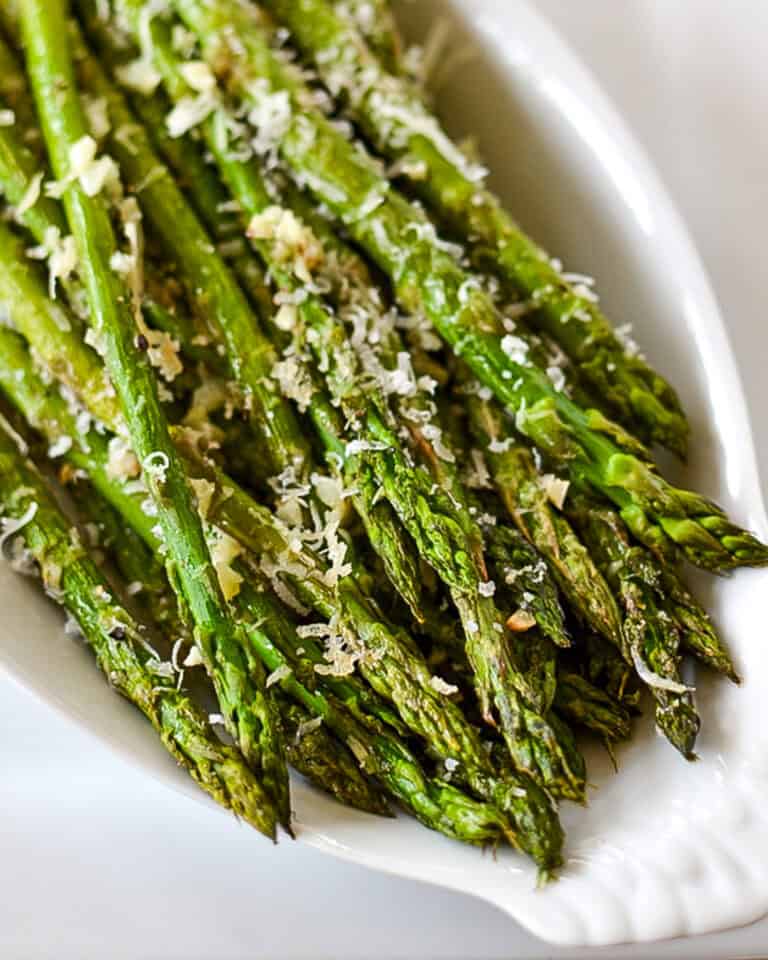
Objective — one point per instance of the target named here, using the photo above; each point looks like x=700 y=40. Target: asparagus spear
x=399 y=125
x=528 y=821
x=426 y=514
x=699 y=635
x=19 y=168
x=587 y=706
x=604 y=666
x=249 y=713
x=394 y=669
x=519 y=486
x=314 y=752
x=651 y=638
x=209 y=284
x=122 y=646
x=142 y=574
x=68 y=359
x=381 y=525
x=401 y=240
x=318 y=756
x=376 y=22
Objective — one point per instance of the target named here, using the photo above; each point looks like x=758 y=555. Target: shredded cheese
x=122 y=463
x=279 y=674
x=31 y=194
x=139 y=75
x=555 y=489
x=11 y=527
x=61 y=254
x=93 y=173
x=204 y=492
x=224 y=551
x=442 y=686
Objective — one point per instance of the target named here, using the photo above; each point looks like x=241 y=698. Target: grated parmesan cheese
x=163 y=353
x=93 y=173
x=270 y=116
x=31 y=194
x=97 y=115
x=60 y=447
x=441 y=686
x=122 y=463
x=139 y=75
x=11 y=527
x=204 y=491
x=555 y=489
x=293 y=241
x=225 y=550
x=294 y=381
x=190 y=112
x=194 y=658
x=516 y=349
x=308 y=726
x=501 y=446
x=61 y=254
x=279 y=674
x=198 y=75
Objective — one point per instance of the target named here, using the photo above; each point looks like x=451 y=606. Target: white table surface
x=98 y=862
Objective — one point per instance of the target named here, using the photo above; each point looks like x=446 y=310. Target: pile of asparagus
x=326 y=460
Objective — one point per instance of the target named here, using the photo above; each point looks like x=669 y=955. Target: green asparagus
x=425 y=512
x=526 y=500
x=651 y=638
x=121 y=645
x=249 y=713
x=400 y=126
x=401 y=240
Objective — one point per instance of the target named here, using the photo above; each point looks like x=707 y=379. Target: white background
x=96 y=861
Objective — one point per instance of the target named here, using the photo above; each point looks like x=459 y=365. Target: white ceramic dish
x=665 y=849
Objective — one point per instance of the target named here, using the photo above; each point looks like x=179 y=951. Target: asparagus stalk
x=19 y=168
x=13 y=88
x=400 y=239
x=121 y=645
x=382 y=526
x=394 y=669
x=699 y=635
x=426 y=514
x=604 y=666
x=142 y=574
x=519 y=486
x=651 y=638
x=534 y=826
x=70 y=360
x=327 y=763
x=210 y=286
x=376 y=22
x=313 y=751
x=248 y=710
x=527 y=822
x=585 y=705
x=400 y=126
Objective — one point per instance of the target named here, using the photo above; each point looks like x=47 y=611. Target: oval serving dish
x=666 y=848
